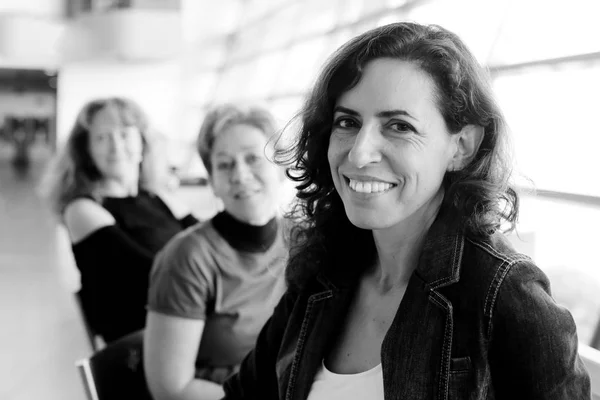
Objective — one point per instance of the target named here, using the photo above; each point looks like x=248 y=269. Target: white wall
x=29 y=41
x=41 y=8
x=156 y=87
x=157 y=4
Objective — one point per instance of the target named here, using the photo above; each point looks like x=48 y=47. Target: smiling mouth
x=374 y=187
x=244 y=194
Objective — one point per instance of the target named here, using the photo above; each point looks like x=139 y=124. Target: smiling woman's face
x=116 y=149
x=247 y=183
x=389 y=147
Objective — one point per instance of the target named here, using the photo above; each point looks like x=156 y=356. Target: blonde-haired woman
x=213 y=287
x=106 y=186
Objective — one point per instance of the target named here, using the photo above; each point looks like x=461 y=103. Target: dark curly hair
x=478 y=196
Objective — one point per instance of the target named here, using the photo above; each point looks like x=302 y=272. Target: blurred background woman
x=108 y=187
x=213 y=287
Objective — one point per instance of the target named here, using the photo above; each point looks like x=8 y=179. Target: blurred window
x=541 y=29
x=544 y=57
x=552 y=112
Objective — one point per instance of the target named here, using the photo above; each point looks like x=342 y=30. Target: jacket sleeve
x=533 y=349
x=114 y=277
x=257 y=377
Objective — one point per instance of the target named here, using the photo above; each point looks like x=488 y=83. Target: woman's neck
x=119 y=188
x=256 y=220
x=243 y=236
x=396 y=259
x=399 y=247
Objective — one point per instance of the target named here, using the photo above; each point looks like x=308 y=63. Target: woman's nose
x=115 y=141
x=240 y=172
x=366 y=148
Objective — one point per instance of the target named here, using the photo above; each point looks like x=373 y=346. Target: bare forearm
x=200 y=389
x=197 y=389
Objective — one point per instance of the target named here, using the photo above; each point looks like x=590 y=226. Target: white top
x=331 y=386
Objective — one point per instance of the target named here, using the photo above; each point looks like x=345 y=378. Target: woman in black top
x=105 y=186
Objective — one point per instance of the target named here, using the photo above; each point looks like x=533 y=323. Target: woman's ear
x=467 y=142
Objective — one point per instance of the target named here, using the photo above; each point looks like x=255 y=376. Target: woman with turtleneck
x=213 y=286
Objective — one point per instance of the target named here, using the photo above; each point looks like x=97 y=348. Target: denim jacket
x=477 y=321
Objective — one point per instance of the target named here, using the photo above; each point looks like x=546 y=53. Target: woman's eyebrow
x=394 y=113
x=345 y=110
x=381 y=114
x=250 y=147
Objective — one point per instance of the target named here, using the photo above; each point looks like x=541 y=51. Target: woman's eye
x=252 y=158
x=345 y=123
x=128 y=131
x=402 y=127
x=222 y=166
x=98 y=138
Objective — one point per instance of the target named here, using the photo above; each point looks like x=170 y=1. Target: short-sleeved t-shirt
x=198 y=275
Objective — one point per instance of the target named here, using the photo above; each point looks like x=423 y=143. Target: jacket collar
x=440 y=261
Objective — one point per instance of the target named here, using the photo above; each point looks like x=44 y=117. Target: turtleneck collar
x=245 y=237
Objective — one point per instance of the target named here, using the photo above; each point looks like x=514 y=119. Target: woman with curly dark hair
x=402 y=284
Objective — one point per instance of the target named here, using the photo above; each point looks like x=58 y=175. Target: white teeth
x=369 y=187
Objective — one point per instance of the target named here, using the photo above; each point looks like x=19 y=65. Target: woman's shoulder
x=491 y=264
x=188 y=254
x=494 y=252
x=192 y=240
x=84 y=216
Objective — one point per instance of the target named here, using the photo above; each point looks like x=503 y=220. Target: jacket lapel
x=416 y=351
x=325 y=312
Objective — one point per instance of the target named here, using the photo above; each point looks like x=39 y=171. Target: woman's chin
x=117 y=172
x=368 y=219
x=364 y=222
x=251 y=217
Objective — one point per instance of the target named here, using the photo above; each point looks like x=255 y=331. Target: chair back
x=94 y=338
x=116 y=372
